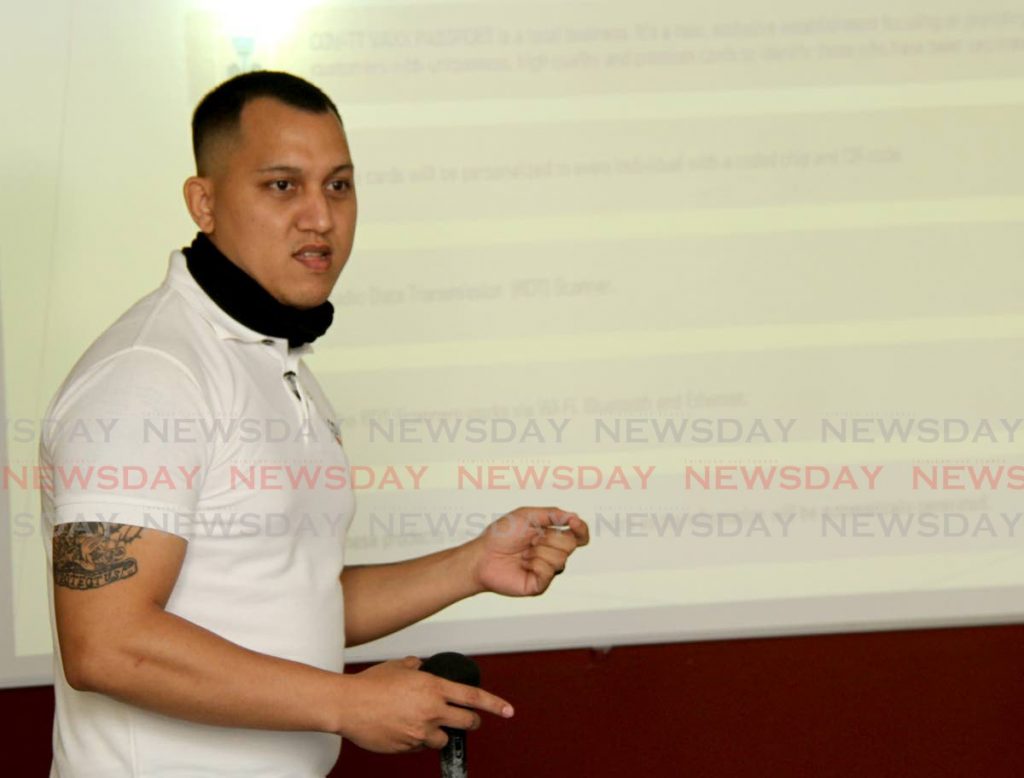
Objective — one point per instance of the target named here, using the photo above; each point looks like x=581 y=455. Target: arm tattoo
x=91 y=554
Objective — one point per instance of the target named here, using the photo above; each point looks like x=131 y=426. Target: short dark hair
x=221 y=110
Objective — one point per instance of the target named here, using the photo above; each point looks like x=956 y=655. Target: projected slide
x=739 y=284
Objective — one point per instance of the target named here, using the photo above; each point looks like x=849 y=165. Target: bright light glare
x=266 y=23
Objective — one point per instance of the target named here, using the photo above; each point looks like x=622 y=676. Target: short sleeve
x=123 y=444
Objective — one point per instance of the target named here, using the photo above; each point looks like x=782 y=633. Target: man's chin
x=301 y=290
x=303 y=301
x=307 y=303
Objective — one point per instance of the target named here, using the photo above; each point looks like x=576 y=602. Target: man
x=192 y=644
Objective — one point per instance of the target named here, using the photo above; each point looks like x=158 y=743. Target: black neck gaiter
x=244 y=300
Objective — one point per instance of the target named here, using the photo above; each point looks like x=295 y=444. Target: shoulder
x=159 y=352
x=162 y=326
x=148 y=363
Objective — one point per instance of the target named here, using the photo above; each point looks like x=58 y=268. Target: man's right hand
x=394 y=707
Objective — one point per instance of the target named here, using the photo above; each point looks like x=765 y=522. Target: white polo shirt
x=180 y=419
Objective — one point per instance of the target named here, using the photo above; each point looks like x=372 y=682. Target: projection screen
x=738 y=283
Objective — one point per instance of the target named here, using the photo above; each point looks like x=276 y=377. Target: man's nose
x=316 y=212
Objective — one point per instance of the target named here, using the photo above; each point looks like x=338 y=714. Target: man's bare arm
x=112 y=583
x=384 y=598
x=518 y=555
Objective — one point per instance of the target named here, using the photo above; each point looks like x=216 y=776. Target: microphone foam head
x=453 y=666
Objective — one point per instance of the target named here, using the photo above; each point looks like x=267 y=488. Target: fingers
x=543 y=571
x=461 y=718
x=580 y=530
x=539 y=523
x=556 y=517
x=406 y=708
x=557 y=539
x=478 y=699
x=549 y=558
x=458 y=713
x=557 y=534
x=453 y=718
x=555 y=545
x=436 y=738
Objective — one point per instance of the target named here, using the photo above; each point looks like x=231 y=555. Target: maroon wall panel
x=922 y=703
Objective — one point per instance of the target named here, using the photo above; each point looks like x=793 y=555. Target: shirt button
x=268 y=342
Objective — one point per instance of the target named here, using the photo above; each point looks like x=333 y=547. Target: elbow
x=82 y=667
x=100 y=659
x=75 y=673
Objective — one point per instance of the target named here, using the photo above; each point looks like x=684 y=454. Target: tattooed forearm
x=90 y=554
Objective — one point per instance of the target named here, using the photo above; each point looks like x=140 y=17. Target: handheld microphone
x=453 y=666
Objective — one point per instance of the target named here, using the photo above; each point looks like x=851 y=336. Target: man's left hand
x=521 y=552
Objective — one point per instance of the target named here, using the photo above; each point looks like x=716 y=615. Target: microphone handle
x=453 y=666
x=453 y=755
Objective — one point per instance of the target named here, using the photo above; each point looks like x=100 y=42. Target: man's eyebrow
x=294 y=171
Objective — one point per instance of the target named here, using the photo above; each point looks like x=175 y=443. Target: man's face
x=281 y=200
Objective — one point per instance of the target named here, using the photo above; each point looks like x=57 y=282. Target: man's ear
x=199 y=201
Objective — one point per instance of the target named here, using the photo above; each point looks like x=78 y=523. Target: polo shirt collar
x=226 y=327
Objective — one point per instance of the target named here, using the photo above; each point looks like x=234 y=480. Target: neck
x=241 y=297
